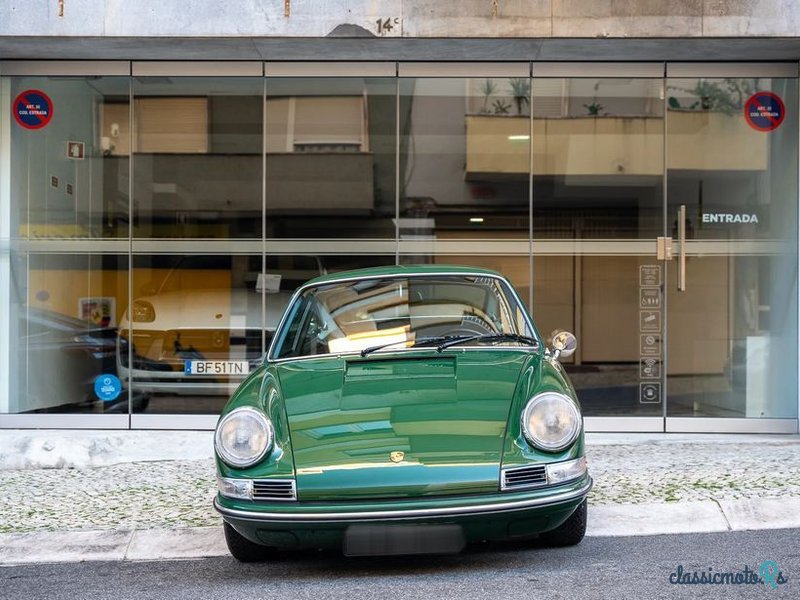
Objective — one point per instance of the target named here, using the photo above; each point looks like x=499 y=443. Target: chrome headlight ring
x=243 y=437
x=551 y=421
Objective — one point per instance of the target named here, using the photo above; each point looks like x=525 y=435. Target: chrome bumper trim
x=475 y=509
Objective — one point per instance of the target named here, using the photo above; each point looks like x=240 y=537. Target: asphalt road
x=633 y=567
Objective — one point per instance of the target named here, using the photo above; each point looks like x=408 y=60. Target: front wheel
x=570 y=532
x=243 y=549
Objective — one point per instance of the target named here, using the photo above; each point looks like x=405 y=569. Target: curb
x=82 y=449
x=203 y=542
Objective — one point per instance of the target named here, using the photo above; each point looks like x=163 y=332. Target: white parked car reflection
x=218 y=310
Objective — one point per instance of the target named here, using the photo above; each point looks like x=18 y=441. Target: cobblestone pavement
x=124 y=496
x=170 y=494
x=678 y=472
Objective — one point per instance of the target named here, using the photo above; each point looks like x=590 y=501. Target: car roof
x=400 y=270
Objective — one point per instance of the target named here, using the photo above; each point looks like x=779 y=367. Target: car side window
x=311 y=338
x=290 y=340
x=305 y=334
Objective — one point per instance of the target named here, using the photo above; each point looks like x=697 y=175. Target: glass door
x=598 y=166
x=731 y=299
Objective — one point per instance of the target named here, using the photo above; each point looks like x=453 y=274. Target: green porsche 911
x=403 y=410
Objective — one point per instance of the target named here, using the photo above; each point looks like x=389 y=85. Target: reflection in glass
x=331 y=153
x=66 y=316
x=69 y=179
x=454 y=189
x=465 y=158
x=615 y=361
x=597 y=175
x=597 y=158
x=353 y=316
x=197 y=157
x=722 y=169
x=733 y=333
x=195 y=326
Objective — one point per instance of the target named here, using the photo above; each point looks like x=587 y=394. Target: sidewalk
x=110 y=495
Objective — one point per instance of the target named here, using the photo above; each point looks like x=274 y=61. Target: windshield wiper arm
x=372 y=349
x=419 y=342
x=490 y=337
x=438 y=339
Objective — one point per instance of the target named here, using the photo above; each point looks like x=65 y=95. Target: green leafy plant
x=520 y=91
x=501 y=107
x=594 y=108
x=488 y=87
x=727 y=96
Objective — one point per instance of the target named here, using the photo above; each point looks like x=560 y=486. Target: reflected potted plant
x=594 y=108
x=488 y=87
x=521 y=92
x=727 y=97
x=501 y=107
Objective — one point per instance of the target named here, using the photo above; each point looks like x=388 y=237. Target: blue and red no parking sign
x=764 y=111
x=32 y=109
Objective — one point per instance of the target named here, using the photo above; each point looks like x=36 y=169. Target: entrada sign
x=730 y=218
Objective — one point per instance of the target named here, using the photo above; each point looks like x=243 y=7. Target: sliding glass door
x=598 y=180
x=732 y=198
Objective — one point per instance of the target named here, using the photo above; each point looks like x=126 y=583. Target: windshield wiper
x=434 y=339
x=489 y=337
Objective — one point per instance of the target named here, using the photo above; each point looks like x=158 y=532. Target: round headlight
x=243 y=437
x=551 y=421
x=142 y=312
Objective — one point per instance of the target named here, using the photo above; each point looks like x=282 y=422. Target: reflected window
x=198 y=146
x=598 y=158
x=465 y=159
x=331 y=152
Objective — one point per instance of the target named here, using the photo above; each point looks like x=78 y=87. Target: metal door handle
x=682 y=255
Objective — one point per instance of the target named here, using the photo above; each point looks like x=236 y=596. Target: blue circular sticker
x=107 y=387
x=33 y=109
x=764 y=111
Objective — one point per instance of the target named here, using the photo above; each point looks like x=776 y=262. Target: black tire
x=243 y=549
x=570 y=532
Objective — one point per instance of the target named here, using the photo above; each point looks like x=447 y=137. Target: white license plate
x=216 y=367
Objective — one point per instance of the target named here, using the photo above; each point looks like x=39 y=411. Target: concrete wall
x=407 y=18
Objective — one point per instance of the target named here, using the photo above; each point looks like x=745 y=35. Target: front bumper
x=473 y=506
x=482 y=517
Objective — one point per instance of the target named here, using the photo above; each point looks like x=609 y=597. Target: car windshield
x=399 y=312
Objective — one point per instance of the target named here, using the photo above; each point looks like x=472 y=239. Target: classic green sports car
x=403 y=410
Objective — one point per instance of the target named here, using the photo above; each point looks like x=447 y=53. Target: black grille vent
x=532 y=476
x=274 y=489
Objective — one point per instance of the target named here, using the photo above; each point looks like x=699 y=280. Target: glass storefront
x=732 y=306
x=598 y=162
x=155 y=219
x=197 y=167
x=465 y=169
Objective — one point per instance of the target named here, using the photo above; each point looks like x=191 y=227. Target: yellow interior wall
x=65 y=287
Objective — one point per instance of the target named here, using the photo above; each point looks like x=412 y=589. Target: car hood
x=213 y=309
x=403 y=425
